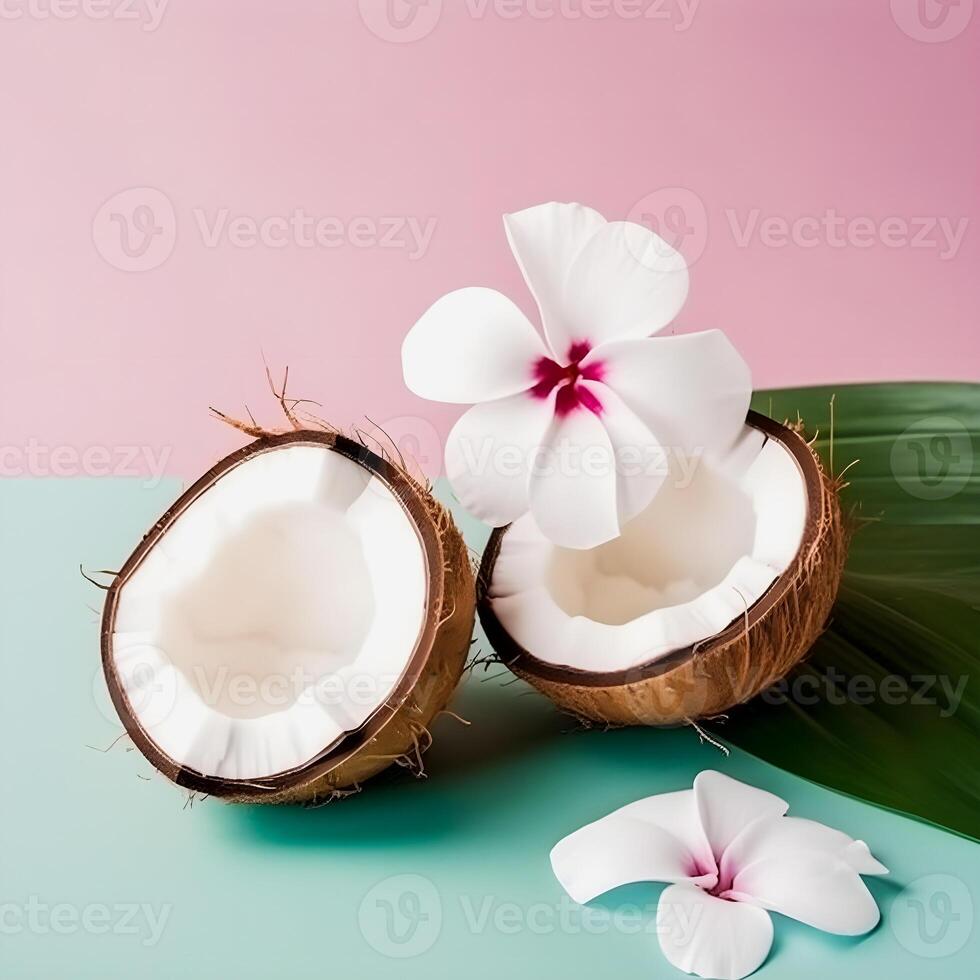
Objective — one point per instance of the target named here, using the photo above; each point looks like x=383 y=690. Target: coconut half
x=708 y=597
x=291 y=625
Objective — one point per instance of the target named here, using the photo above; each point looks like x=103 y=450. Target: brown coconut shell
x=398 y=730
x=708 y=678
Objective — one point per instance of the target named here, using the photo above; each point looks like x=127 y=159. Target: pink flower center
x=571 y=395
x=723 y=885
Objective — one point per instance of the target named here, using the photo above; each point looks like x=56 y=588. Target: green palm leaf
x=887 y=708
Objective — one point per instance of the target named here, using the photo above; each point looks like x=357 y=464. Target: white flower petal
x=677 y=814
x=726 y=806
x=489 y=454
x=472 y=345
x=778 y=838
x=814 y=887
x=858 y=855
x=630 y=844
x=625 y=282
x=710 y=937
x=691 y=390
x=573 y=484
x=545 y=240
x=641 y=462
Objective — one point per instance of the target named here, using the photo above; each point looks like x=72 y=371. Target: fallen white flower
x=730 y=854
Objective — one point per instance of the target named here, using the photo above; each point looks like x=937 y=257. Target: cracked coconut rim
x=273 y=621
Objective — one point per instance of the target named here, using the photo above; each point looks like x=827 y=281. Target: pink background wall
x=744 y=127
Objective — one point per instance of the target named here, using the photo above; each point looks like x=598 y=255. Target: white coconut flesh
x=705 y=550
x=275 y=614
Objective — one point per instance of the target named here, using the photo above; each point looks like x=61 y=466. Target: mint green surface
x=291 y=893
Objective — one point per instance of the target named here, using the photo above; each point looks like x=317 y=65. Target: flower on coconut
x=730 y=856
x=578 y=425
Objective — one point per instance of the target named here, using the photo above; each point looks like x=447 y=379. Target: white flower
x=579 y=427
x=729 y=854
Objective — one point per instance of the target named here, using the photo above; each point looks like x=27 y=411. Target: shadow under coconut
x=510 y=726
